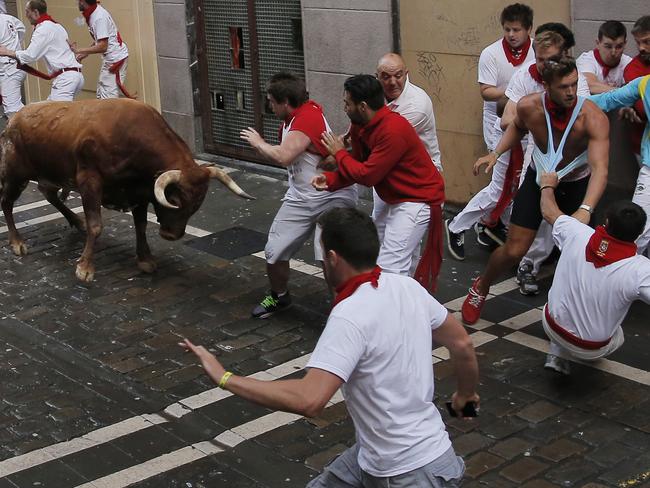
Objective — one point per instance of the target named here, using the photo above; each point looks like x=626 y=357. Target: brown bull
x=116 y=153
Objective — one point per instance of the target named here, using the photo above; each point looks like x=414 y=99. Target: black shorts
x=526 y=209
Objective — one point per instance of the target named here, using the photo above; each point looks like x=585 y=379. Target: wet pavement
x=95 y=392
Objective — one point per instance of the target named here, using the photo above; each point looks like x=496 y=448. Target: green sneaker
x=271 y=304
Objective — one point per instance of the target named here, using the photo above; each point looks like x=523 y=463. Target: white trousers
x=66 y=86
x=485 y=201
x=11 y=85
x=400 y=227
x=642 y=198
x=541 y=248
x=564 y=349
x=107 y=84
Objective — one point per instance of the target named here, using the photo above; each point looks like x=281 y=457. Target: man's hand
x=459 y=401
x=490 y=160
x=548 y=179
x=319 y=182
x=80 y=57
x=251 y=136
x=629 y=114
x=210 y=364
x=332 y=142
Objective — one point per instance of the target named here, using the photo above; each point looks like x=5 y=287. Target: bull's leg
x=90 y=188
x=146 y=261
x=10 y=193
x=52 y=196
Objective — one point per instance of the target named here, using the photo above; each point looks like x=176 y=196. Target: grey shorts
x=294 y=223
x=345 y=472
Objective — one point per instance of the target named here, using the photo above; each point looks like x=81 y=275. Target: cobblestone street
x=95 y=391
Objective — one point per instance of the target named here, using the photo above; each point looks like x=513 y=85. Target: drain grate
x=232 y=243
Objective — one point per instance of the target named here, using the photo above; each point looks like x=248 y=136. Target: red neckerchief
x=606 y=68
x=515 y=56
x=89 y=11
x=43 y=18
x=535 y=73
x=559 y=115
x=346 y=289
x=603 y=249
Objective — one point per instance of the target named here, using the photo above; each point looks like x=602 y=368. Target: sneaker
x=271 y=304
x=455 y=243
x=473 y=304
x=497 y=234
x=557 y=364
x=526 y=279
x=481 y=236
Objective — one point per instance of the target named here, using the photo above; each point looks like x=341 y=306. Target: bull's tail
x=221 y=175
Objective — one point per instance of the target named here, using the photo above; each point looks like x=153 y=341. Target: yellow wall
x=441 y=42
x=134 y=19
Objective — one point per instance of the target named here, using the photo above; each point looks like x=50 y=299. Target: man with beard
x=388 y=155
x=571 y=137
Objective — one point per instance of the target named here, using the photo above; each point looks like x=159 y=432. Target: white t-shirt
x=303 y=169
x=415 y=106
x=379 y=342
x=102 y=26
x=494 y=69
x=587 y=63
x=523 y=84
x=12 y=32
x=50 y=42
x=592 y=302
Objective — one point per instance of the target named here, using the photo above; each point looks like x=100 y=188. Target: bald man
x=410 y=101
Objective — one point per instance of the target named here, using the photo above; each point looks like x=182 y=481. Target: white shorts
x=66 y=86
x=642 y=198
x=11 y=89
x=400 y=227
x=294 y=223
x=564 y=349
x=107 y=84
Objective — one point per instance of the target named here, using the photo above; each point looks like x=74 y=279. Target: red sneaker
x=473 y=304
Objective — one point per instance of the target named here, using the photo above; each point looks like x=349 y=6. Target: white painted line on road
x=607 y=365
x=40 y=220
x=523 y=320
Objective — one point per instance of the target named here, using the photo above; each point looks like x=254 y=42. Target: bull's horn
x=168 y=177
x=221 y=175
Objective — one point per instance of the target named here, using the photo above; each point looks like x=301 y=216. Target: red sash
x=43 y=18
x=429 y=266
x=510 y=184
x=115 y=69
x=515 y=56
x=534 y=73
x=570 y=337
x=88 y=12
x=559 y=115
x=603 y=249
x=346 y=289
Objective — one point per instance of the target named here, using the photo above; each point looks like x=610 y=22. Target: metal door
x=241 y=44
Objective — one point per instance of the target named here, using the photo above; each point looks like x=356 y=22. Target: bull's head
x=179 y=195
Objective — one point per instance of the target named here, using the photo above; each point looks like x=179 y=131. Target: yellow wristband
x=224 y=379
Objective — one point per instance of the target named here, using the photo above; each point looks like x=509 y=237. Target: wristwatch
x=586 y=207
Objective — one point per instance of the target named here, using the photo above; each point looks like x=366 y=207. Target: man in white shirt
x=12 y=32
x=107 y=41
x=376 y=347
x=497 y=64
x=603 y=66
x=597 y=278
x=301 y=152
x=50 y=42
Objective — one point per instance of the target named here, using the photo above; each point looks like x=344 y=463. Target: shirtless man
x=571 y=137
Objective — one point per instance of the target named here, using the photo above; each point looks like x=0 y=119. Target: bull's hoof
x=85 y=273
x=19 y=248
x=147 y=266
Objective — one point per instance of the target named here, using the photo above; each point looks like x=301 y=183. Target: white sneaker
x=557 y=364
